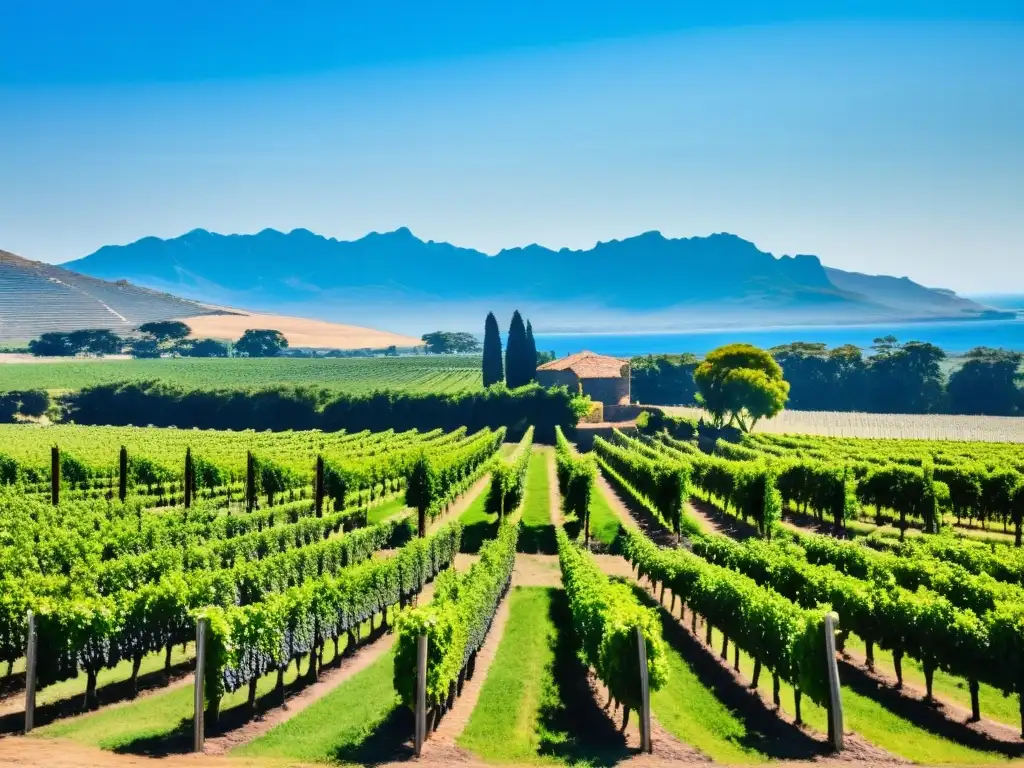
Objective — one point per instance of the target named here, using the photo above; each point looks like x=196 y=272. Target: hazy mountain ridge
x=717 y=278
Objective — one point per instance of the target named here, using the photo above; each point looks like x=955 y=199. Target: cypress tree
x=516 y=352
x=531 y=348
x=494 y=369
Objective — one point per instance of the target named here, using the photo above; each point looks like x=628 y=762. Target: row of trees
x=518 y=366
x=164 y=337
x=894 y=378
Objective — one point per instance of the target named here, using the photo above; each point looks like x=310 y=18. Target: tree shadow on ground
x=388 y=742
x=475 y=534
x=537 y=539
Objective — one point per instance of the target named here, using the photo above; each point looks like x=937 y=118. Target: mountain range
x=398 y=281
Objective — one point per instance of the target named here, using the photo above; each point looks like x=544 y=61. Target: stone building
x=604 y=379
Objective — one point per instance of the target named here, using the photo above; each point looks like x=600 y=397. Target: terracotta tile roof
x=588 y=365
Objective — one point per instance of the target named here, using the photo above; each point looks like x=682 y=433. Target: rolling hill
x=36 y=298
x=648 y=281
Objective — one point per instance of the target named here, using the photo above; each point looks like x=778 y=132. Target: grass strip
x=505 y=724
x=161 y=721
x=538 y=532
x=341 y=726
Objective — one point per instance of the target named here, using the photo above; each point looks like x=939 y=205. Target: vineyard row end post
x=199 y=703
x=31 y=658
x=835 y=708
x=55 y=475
x=122 y=475
x=645 y=695
x=421 y=693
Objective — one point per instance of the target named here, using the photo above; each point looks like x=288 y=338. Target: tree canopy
x=91 y=341
x=261 y=343
x=203 y=348
x=988 y=383
x=493 y=366
x=739 y=385
x=450 y=342
x=165 y=330
x=520 y=362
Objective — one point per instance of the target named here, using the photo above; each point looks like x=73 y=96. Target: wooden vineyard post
x=250 y=482
x=122 y=478
x=319 y=486
x=55 y=475
x=31 y=654
x=421 y=693
x=188 y=478
x=645 y=695
x=835 y=700
x=199 y=704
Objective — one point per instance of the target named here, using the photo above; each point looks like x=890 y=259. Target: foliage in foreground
x=455 y=622
x=606 y=616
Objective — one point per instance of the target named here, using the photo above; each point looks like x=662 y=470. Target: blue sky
x=882 y=136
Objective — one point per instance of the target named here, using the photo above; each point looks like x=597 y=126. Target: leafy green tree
x=201 y=348
x=52 y=344
x=493 y=366
x=391 y=351
x=531 y=344
x=664 y=379
x=450 y=343
x=93 y=341
x=739 y=384
x=518 y=366
x=165 y=330
x=988 y=383
x=145 y=348
x=261 y=343
x=905 y=378
x=545 y=357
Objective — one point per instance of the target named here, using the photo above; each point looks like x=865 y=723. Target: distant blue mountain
x=655 y=280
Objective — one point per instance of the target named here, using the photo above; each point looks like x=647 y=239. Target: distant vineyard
x=352 y=375
x=1000 y=429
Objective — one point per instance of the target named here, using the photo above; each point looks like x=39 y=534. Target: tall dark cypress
x=517 y=372
x=494 y=368
x=531 y=348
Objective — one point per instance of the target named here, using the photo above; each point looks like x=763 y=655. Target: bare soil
x=300 y=331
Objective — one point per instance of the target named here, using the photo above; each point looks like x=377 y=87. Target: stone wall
x=608 y=391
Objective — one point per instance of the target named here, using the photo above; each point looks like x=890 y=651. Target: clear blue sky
x=882 y=136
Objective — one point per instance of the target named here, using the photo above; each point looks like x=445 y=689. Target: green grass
x=419 y=373
x=994 y=706
x=875 y=722
x=477 y=524
x=604 y=523
x=67 y=689
x=382 y=512
x=341 y=725
x=538 y=532
x=506 y=724
x=160 y=720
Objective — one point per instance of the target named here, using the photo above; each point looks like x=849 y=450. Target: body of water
x=953 y=337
